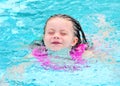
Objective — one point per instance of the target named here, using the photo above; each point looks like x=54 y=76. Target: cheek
x=46 y=39
x=68 y=40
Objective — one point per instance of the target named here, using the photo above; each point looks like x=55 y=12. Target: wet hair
x=78 y=32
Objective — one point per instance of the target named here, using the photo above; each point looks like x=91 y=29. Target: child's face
x=59 y=34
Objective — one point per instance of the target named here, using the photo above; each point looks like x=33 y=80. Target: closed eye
x=63 y=33
x=51 y=32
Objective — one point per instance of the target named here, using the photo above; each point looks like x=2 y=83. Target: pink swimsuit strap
x=77 y=53
x=42 y=56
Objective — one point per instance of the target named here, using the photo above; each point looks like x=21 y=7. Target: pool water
x=22 y=21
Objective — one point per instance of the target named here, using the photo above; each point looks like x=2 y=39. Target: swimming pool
x=22 y=21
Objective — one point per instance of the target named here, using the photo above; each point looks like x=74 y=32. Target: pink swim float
x=41 y=54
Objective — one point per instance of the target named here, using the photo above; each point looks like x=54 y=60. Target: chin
x=56 y=49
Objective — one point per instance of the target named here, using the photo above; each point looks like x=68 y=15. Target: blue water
x=22 y=21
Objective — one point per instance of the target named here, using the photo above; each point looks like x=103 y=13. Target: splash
x=102 y=40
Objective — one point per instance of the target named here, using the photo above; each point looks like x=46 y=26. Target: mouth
x=55 y=42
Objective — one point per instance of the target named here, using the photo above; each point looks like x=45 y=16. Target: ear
x=74 y=42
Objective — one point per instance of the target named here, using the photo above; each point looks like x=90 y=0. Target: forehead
x=58 y=22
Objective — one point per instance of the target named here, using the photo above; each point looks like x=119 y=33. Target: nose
x=56 y=36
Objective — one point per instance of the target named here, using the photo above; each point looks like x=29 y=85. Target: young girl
x=63 y=43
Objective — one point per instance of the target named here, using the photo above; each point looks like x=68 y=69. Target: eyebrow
x=63 y=31
x=51 y=29
x=54 y=29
